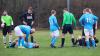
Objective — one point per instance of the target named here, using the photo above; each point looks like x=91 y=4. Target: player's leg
x=87 y=38
x=10 y=34
x=83 y=37
x=92 y=38
x=52 y=40
x=70 y=30
x=64 y=31
x=55 y=35
x=20 y=36
x=4 y=31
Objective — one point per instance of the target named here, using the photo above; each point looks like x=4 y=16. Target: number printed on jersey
x=88 y=20
x=29 y=17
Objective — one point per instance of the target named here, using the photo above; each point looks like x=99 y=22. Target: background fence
x=42 y=9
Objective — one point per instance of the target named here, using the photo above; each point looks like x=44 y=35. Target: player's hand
x=62 y=27
x=32 y=23
x=2 y=25
x=96 y=27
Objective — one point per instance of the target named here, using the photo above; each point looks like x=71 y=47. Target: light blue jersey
x=53 y=23
x=87 y=20
x=29 y=45
x=26 y=30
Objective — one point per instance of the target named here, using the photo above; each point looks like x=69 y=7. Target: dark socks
x=73 y=41
x=32 y=39
x=62 y=40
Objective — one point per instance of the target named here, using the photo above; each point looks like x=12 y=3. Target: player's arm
x=74 y=20
x=95 y=21
x=64 y=19
x=56 y=23
x=33 y=18
x=81 y=20
x=3 y=22
x=23 y=19
x=96 y=26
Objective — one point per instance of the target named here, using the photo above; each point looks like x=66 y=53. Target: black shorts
x=67 y=28
x=83 y=34
x=6 y=29
x=94 y=30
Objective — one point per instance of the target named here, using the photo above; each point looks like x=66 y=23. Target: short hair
x=53 y=11
x=30 y=8
x=88 y=10
x=66 y=9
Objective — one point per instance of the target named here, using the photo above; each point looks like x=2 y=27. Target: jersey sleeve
x=2 y=20
x=33 y=16
x=11 y=20
x=81 y=20
x=55 y=22
x=74 y=20
x=64 y=18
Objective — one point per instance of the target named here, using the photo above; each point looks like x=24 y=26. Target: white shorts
x=88 y=32
x=18 y=31
x=55 y=33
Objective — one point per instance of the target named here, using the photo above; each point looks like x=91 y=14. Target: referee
x=7 y=23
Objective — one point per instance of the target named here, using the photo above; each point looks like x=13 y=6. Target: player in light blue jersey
x=30 y=44
x=54 y=28
x=87 y=20
x=23 y=32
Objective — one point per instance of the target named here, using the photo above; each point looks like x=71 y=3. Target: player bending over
x=22 y=30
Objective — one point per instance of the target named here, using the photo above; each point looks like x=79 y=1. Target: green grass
x=43 y=39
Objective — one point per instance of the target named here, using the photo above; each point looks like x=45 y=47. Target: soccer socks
x=83 y=41
x=87 y=44
x=32 y=39
x=21 y=41
x=53 y=41
x=4 y=39
x=10 y=39
x=62 y=42
x=93 y=43
x=73 y=41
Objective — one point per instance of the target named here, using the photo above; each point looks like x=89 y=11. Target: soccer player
x=94 y=29
x=7 y=23
x=28 y=19
x=87 y=20
x=30 y=45
x=23 y=32
x=54 y=28
x=68 y=19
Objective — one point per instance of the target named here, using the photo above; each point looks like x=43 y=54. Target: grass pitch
x=43 y=39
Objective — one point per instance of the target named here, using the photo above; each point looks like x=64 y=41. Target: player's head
x=5 y=12
x=32 y=30
x=65 y=9
x=30 y=10
x=36 y=46
x=88 y=10
x=53 y=12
